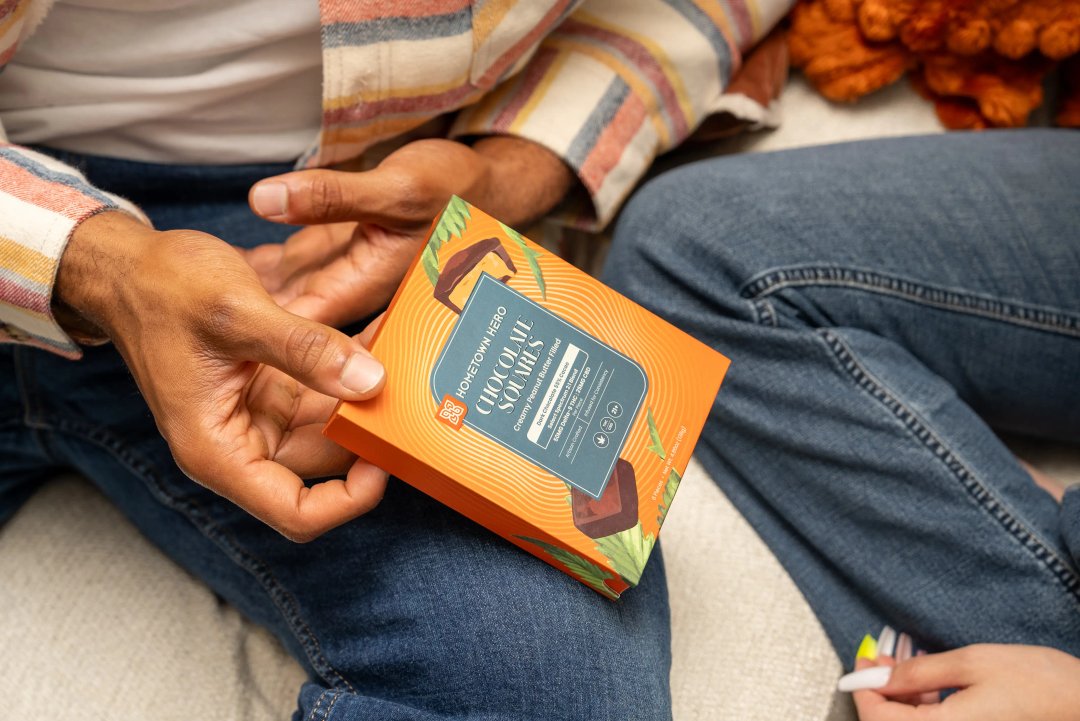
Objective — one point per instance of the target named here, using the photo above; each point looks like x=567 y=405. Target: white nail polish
x=886 y=643
x=868 y=678
x=904 y=648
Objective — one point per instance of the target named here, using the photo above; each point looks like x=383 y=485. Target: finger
x=329 y=196
x=886 y=710
x=367 y=335
x=290 y=419
x=341 y=293
x=318 y=308
x=271 y=399
x=367 y=480
x=313 y=247
x=277 y=496
x=314 y=409
x=867 y=702
x=872 y=677
x=929 y=696
x=905 y=648
x=279 y=404
x=236 y=467
x=318 y=356
x=933 y=672
x=310 y=454
x=264 y=260
x=278 y=264
x=872 y=705
x=910 y=699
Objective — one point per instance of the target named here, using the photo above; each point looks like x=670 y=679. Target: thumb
x=320 y=357
x=309 y=197
x=933 y=672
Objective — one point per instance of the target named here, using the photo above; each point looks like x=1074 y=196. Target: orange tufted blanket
x=982 y=62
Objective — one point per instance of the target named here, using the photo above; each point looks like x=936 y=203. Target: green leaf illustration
x=429 y=260
x=582 y=567
x=534 y=265
x=441 y=235
x=672 y=485
x=628 y=551
x=459 y=206
x=455 y=216
x=531 y=257
x=656 y=446
x=451 y=224
x=454 y=223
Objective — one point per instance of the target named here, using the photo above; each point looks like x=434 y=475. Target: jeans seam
x=313 y=716
x=764 y=312
x=979 y=492
x=1023 y=314
x=333 y=703
x=281 y=597
x=31 y=406
x=27 y=391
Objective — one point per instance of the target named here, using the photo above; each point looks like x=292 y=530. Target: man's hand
x=995 y=682
x=194 y=326
x=367 y=227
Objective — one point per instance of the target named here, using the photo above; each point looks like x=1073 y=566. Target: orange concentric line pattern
x=684 y=376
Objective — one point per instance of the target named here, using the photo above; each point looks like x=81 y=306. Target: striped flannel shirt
x=605 y=84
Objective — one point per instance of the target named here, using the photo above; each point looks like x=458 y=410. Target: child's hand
x=1010 y=683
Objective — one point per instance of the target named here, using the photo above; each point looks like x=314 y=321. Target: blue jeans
x=886 y=306
x=410 y=612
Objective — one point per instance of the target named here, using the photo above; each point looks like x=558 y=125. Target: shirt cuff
x=583 y=112
x=42 y=202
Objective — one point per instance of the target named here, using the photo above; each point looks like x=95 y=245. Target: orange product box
x=533 y=399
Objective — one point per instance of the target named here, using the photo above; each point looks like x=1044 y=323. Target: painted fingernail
x=886 y=642
x=362 y=373
x=271 y=200
x=904 y=648
x=867 y=649
x=868 y=678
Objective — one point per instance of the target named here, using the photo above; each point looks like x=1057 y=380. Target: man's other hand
x=366 y=227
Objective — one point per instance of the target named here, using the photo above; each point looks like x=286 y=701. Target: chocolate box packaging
x=533 y=399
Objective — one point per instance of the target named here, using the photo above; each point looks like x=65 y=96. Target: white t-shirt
x=170 y=81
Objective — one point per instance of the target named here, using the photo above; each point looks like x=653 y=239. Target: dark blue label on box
x=539 y=386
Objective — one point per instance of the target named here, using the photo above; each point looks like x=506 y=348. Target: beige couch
x=98 y=624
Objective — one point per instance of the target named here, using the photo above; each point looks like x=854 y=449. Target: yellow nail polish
x=867 y=649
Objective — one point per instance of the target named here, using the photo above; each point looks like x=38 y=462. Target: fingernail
x=361 y=373
x=271 y=200
x=867 y=649
x=904 y=648
x=886 y=642
x=868 y=678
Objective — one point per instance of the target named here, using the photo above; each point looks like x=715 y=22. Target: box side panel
x=594 y=571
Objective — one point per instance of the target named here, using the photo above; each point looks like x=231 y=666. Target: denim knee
x=1070 y=522
x=683 y=236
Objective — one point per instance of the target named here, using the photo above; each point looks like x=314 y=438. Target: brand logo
x=451 y=412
